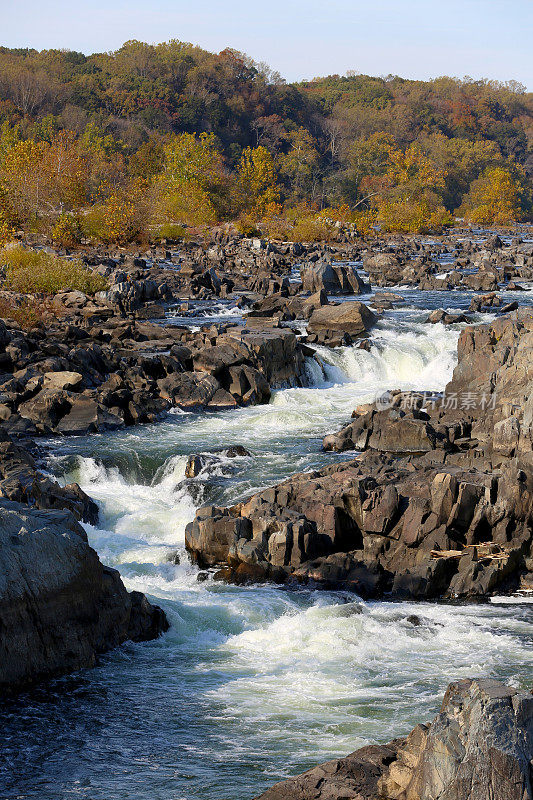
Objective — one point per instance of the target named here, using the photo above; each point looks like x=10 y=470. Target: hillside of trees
x=132 y=144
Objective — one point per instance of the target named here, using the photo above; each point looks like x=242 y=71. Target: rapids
x=251 y=684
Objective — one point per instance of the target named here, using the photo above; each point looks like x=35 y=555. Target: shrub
x=67 y=231
x=493 y=199
x=34 y=271
x=171 y=230
x=7 y=232
x=115 y=221
x=365 y=222
x=247 y=225
x=310 y=229
x=277 y=228
x=412 y=216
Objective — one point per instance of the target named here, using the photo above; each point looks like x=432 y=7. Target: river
x=251 y=684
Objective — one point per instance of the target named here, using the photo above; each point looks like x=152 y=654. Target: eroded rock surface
x=440 y=503
x=479 y=746
x=60 y=607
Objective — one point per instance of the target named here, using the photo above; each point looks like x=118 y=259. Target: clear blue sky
x=412 y=38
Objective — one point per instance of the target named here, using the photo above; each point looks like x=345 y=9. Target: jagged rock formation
x=479 y=746
x=439 y=504
x=59 y=606
x=344 y=323
x=105 y=374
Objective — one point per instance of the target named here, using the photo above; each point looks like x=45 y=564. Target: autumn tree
x=367 y=158
x=462 y=160
x=192 y=181
x=495 y=198
x=41 y=178
x=299 y=165
x=256 y=181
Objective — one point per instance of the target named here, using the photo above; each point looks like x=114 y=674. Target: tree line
x=137 y=143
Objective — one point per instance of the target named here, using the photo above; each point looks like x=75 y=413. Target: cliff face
x=479 y=747
x=59 y=606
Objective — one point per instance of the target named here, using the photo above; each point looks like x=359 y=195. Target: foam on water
x=251 y=683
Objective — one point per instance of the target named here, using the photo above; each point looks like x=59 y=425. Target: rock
x=59 y=606
x=22 y=482
x=354 y=777
x=71 y=299
x=495 y=371
x=493 y=243
x=62 y=381
x=352 y=318
x=383 y=268
x=188 y=390
x=389 y=431
x=447 y=318
x=85 y=416
x=334 y=279
x=198 y=463
x=46 y=408
x=479 y=745
x=483 y=737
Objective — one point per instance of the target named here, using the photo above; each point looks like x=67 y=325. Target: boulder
x=59 y=606
x=334 y=279
x=480 y=745
x=62 y=381
x=352 y=318
x=87 y=415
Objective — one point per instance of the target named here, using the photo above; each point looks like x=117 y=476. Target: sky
x=412 y=38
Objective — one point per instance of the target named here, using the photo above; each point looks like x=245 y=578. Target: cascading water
x=251 y=683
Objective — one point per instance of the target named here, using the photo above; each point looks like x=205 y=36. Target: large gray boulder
x=334 y=279
x=478 y=747
x=59 y=605
x=352 y=318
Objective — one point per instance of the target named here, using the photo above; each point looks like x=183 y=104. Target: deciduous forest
x=150 y=140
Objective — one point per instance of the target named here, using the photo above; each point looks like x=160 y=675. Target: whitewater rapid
x=251 y=684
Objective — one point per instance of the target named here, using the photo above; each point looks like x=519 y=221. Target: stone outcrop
x=414 y=527
x=440 y=503
x=21 y=481
x=479 y=746
x=79 y=379
x=59 y=606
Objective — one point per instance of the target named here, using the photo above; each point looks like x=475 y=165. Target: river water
x=251 y=684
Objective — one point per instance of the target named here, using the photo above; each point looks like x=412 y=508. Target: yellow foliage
x=313 y=229
x=122 y=217
x=190 y=186
x=412 y=168
x=365 y=222
x=411 y=216
x=39 y=178
x=30 y=271
x=493 y=199
x=170 y=230
x=7 y=231
x=247 y=224
x=191 y=205
x=342 y=213
x=256 y=181
x=66 y=232
x=278 y=228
